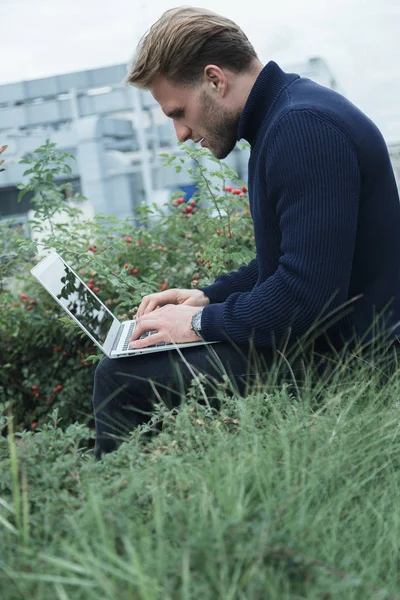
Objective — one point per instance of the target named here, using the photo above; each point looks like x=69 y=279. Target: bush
x=45 y=361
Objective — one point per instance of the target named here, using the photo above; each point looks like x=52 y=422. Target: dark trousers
x=126 y=389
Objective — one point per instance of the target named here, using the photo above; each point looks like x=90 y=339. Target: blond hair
x=184 y=41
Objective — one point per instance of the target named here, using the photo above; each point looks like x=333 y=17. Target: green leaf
x=22 y=194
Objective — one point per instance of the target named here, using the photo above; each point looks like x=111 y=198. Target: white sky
x=360 y=40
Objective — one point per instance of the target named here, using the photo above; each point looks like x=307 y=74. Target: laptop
x=89 y=312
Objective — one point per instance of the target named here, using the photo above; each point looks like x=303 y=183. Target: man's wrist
x=196 y=323
x=206 y=298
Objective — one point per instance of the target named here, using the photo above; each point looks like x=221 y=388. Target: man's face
x=198 y=115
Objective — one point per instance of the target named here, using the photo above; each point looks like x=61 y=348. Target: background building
x=116 y=134
x=394 y=150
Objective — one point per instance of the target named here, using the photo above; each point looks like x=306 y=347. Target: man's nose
x=183 y=133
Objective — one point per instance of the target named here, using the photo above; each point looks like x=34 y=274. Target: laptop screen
x=70 y=291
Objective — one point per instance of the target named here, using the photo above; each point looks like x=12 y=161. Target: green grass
x=276 y=495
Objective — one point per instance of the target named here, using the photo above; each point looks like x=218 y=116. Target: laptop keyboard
x=128 y=336
x=144 y=335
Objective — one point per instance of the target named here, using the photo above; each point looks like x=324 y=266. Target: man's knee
x=105 y=369
x=106 y=386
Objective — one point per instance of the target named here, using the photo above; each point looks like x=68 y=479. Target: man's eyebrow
x=174 y=112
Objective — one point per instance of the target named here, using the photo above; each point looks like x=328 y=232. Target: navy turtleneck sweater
x=326 y=215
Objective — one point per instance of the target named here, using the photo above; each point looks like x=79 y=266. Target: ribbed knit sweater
x=326 y=215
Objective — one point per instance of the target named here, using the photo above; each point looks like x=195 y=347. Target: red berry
x=180 y=200
x=24 y=297
x=193 y=203
x=34 y=425
x=36 y=395
x=228 y=188
x=244 y=189
x=91 y=281
x=242 y=195
x=218 y=232
x=236 y=191
x=96 y=290
x=29 y=307
x=15 y=303
x=126 y=266
x=189 y=209
x=128 y=240
x=35 y=388
x=164 y=287
x=134 y=271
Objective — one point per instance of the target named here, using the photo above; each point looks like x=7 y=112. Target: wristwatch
x=196 y=323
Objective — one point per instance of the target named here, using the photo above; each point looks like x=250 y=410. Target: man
x=326 y=218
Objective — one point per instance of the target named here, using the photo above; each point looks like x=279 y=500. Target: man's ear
x=215 y=79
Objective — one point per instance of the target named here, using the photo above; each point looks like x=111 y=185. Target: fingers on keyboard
x=147 y=333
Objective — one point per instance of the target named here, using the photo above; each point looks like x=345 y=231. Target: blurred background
x=62 y=64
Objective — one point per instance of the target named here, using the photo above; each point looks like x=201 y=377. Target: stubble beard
x=222 y=126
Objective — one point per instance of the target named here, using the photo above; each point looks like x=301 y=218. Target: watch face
x=196 y=322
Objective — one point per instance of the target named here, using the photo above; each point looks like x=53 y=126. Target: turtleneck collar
x=266 y=89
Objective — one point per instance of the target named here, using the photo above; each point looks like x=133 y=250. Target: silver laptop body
x=87 y=310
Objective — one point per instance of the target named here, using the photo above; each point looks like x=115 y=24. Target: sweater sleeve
x=313 y=179
x=242 y=280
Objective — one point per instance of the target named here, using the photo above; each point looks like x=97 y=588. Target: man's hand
x=175 y=296
x=172 y=323
x=1 y=159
